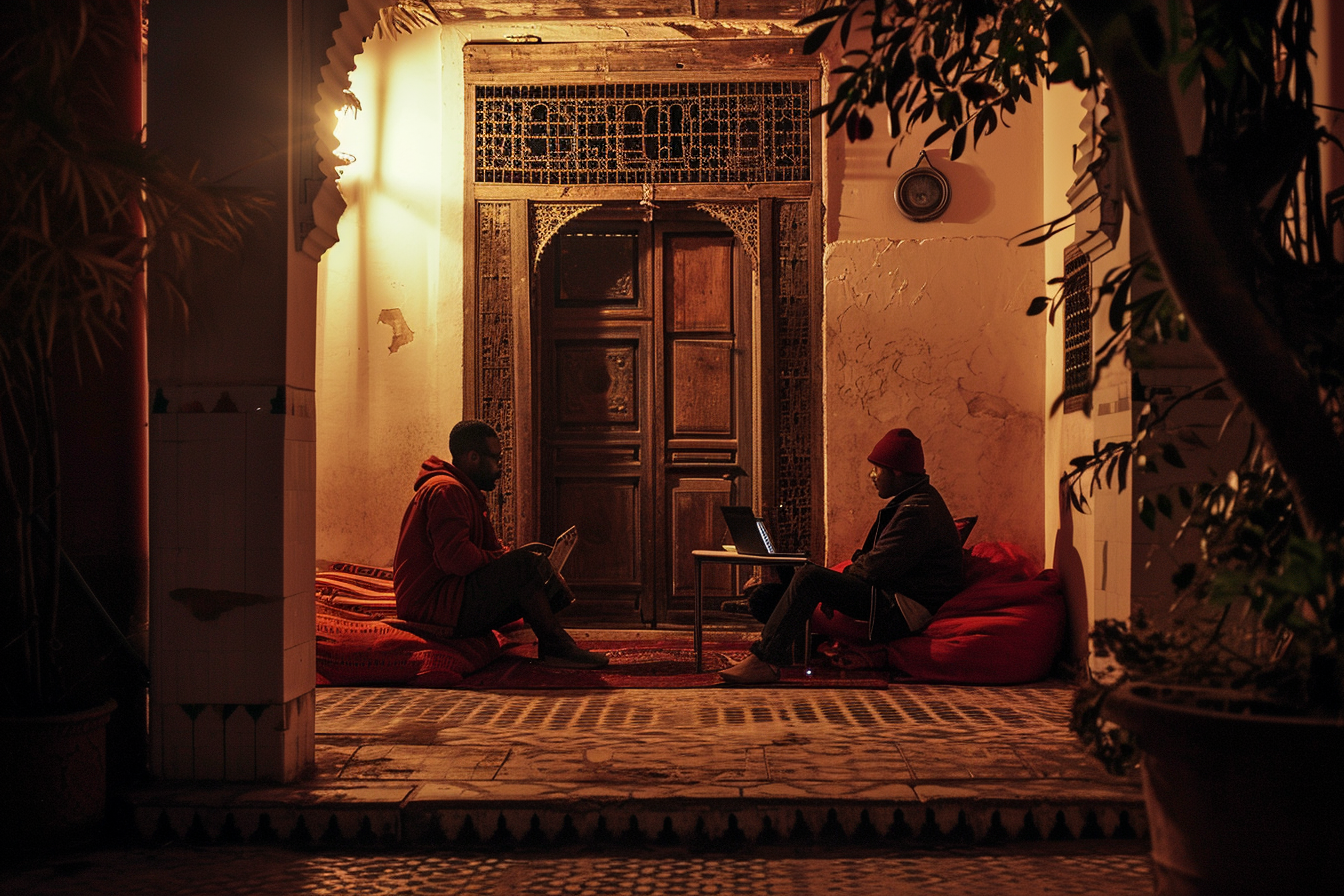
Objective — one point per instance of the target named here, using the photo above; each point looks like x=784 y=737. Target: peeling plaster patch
x=208 y=605
x=401 y=333
x=982 y=404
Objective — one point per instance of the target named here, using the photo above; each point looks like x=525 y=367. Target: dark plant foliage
x=1262 y=607
x=83 y=209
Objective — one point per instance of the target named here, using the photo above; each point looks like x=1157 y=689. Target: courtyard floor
x=915 y=788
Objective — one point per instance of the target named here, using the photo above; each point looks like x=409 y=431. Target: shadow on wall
x=1069 y=566
x=972 y=191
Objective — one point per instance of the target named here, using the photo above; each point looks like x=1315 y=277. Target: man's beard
x=484 y=481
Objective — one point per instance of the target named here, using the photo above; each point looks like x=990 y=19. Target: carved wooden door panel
x=705 y=301
x=595 y=338
x=642 y=340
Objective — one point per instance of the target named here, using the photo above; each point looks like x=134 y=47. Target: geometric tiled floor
x=909 y=764
x=915 y=789
x=216 y=871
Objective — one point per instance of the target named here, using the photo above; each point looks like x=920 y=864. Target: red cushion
x=1005 y=627
x=356 y=649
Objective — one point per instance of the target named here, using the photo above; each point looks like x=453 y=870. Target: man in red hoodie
x=452 y=575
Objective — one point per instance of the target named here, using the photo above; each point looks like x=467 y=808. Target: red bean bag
x=355 y=649
x=360 y=641
x=1005 y=627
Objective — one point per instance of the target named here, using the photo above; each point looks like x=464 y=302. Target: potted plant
x=85 y=207
x=1247 y=681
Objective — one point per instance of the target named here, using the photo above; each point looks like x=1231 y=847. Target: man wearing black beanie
x=912 y=557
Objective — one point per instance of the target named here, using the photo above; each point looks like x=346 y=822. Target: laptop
x=749 y=533
x=558 y=552
x=563 y=545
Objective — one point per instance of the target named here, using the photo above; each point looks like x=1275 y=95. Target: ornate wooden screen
x=632 y=133
x=796 y=423
x=495 y=341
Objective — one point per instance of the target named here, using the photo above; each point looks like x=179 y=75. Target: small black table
x=731 y=558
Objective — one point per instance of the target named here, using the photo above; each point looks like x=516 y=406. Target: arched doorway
x=658 y=168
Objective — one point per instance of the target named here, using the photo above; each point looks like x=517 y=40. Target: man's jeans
x=493 y=596
x=812 y=585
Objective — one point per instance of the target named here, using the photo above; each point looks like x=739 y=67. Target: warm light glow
x=398 y=259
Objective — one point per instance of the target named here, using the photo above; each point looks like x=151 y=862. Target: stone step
x=393 y=816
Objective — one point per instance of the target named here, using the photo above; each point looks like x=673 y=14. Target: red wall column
x=103 y=424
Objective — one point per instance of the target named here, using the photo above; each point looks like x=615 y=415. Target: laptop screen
x=747 y=530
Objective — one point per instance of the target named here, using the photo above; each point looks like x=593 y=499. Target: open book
x=558 y=552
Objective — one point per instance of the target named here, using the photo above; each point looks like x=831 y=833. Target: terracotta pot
x=1239 y=800
x=53 y=774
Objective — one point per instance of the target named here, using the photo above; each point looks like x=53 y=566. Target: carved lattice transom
x=679 y=133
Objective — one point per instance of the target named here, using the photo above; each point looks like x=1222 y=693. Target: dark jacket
x=445 y=536
x=913 y=548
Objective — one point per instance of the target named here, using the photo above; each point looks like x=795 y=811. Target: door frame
x=779 y=223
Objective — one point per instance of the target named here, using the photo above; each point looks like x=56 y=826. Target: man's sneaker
x=570 y=656
x=751 y=671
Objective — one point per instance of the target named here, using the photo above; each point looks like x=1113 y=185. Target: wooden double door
x=645 y=414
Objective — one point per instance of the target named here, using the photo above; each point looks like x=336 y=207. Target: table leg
x=699 y=594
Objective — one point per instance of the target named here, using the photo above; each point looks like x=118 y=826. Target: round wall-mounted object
x=922 y=193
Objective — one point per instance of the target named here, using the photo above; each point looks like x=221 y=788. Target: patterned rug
x=648 y=663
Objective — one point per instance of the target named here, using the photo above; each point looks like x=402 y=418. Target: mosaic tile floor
x=911 y=764
x=277 y=872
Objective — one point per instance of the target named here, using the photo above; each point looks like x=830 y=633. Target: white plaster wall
x=1094 y=550
x=378 y=409
x=932 y=334
x=926 y=327
x=1069 y=535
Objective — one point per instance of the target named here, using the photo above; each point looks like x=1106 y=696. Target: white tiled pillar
x=232 y=427
x=232 y=641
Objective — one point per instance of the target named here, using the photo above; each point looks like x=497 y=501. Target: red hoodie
x=445 y=536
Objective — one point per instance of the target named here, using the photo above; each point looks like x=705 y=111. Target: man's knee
x=526 y=568
x=809 y=576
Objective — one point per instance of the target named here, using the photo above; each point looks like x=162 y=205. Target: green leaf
x=812 y=43
x=949 y=107
x=927 y=69
x=977 y=91
x=1147 y=513
x=958 y=144
x=937 y=133
x=1228 y=585
x=1119 y=302
x=1172 y=455
x=821 y=15
x=1164 y=505
x=901 y=71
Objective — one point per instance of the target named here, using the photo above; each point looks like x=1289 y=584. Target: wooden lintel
x=634 y=193
x=474 y=10
x=749 y=59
